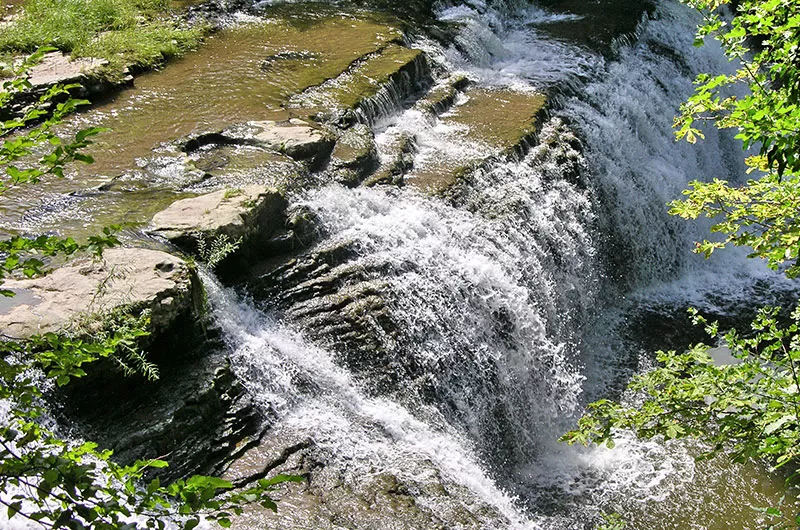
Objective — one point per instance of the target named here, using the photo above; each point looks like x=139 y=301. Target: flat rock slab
x=57 y=67
x=131 y=278
x=481 y=125
x=294 y=138
x=251 y=214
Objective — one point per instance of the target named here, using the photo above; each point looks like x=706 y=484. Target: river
x=541 y=283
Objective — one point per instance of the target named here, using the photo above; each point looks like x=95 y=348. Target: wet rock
x=236 y=166
x=355 y=155
x=246 y=218
x=197 y=416
x=125 y=279
x=483 y=125
x=344 y=305
x=442 y=96
x=343 y=494
x=399 y=160
x=295 y=138
x=372 y=88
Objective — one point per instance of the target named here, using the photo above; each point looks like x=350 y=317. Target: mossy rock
x=355 y=155
x=487 y=123
x=340 y=100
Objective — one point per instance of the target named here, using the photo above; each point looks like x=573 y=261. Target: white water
x=339 y=416
x=508 y=313
x=509 y=306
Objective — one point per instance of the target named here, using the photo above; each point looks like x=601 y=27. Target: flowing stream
x=525 y=296
x=515 y=307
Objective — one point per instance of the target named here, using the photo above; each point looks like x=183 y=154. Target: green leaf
x=14 y=508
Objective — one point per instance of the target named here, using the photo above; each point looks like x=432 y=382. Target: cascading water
x=506 y=309
x=484 y=322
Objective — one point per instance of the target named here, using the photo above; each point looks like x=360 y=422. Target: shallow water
x=243 y=73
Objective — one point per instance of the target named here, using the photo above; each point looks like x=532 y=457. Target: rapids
x=516 y=299
x=541 y=283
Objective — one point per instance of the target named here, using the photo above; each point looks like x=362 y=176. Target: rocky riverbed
x=218 y=161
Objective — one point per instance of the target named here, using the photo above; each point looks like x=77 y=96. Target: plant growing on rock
x=764 y=38
x=44 y=478
x=212 y=251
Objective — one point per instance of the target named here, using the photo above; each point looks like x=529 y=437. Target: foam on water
x=511 y=303
x=267 y=355
x=510 y=298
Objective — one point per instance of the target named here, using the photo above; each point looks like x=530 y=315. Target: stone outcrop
x=59 y=68
x=197 y=415
x=355 y=155
x=490 y=124
x=338 y=494
x=125 y=278
x=247 y=218
x=370 y=89
x=297 y=139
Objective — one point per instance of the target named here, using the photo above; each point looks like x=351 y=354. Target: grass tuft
x=142 y=33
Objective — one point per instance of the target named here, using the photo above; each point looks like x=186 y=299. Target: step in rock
x=70 y=297
x=483 y=124
x=369 y=90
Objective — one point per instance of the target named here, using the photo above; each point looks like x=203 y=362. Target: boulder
x=247 y=217
x=125 y=278
x=58 y=68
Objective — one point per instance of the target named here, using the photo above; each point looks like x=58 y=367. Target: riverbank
x=120 y=35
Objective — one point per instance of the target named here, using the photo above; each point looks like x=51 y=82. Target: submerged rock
x=131 y=279
x=442 y=96
x=398 y=160
x=354 y=494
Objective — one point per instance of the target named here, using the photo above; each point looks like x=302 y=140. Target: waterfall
x=500 y=308
x=450 y=340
